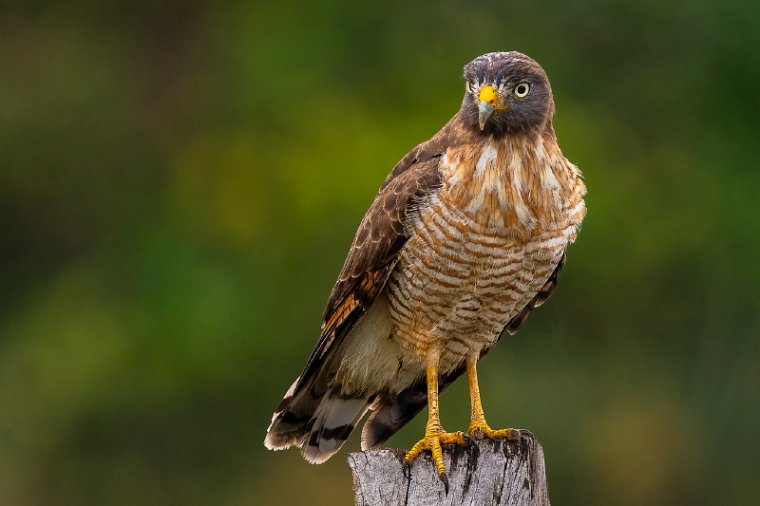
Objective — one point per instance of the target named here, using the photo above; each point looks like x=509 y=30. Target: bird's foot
x=432 y=441
x=479 y=429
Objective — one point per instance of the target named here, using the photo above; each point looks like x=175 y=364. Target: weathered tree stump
x=486 y=472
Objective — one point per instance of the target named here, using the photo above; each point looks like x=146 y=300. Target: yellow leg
x=435 y=436
x=479 y=428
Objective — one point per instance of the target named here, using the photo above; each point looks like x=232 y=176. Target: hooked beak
x=484 y=112
x=488 y=102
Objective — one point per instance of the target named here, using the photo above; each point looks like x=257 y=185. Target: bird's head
x=506 y=93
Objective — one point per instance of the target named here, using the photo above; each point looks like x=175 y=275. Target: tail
x=316 y=420
x=393 y=412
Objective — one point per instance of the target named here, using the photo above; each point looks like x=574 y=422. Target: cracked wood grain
x=508 y=473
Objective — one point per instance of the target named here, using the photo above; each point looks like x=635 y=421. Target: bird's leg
x=479 y=428
x=435 y=436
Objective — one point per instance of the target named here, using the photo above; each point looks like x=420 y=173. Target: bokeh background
x=180 y=181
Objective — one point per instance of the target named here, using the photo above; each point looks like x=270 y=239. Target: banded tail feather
x=390 y=414
x=318 y=421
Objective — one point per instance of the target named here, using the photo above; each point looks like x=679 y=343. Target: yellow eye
x=522 y=90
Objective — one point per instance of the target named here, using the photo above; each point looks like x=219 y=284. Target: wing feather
x=374 y=251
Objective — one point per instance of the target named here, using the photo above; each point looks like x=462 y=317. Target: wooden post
x=509 y=473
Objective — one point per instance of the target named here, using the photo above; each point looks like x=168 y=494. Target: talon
x=435 y=436
x=432 y=442
x=406 y=469
x=480 y=430
x=445 y=480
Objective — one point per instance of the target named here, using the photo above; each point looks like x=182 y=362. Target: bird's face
x=506 y=93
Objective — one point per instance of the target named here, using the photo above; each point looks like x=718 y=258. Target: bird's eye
x=522 y=90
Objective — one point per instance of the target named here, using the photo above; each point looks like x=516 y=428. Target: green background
x=180 y=181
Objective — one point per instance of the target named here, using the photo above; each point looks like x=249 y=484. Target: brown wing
x=374 y=251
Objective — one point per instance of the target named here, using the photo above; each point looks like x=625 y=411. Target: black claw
x=445 y=480
x=525 y=433
x=468 y=437
x=407 y=470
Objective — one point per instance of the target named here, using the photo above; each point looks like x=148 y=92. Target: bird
x=465 y=238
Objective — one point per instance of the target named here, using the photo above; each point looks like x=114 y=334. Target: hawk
x=465 y=237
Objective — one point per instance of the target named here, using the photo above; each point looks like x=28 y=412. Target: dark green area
x=180 y=181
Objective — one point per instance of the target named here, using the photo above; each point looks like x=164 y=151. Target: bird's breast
x=519 y=185
x=478 y=251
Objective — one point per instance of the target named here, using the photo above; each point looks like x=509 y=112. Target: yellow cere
x=489 y=95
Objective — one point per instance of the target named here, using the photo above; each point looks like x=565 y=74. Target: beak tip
x=484 y=112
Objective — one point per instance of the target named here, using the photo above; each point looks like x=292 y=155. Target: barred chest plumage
x=483 y=245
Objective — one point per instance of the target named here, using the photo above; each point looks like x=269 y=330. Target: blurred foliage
x=179 y=183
